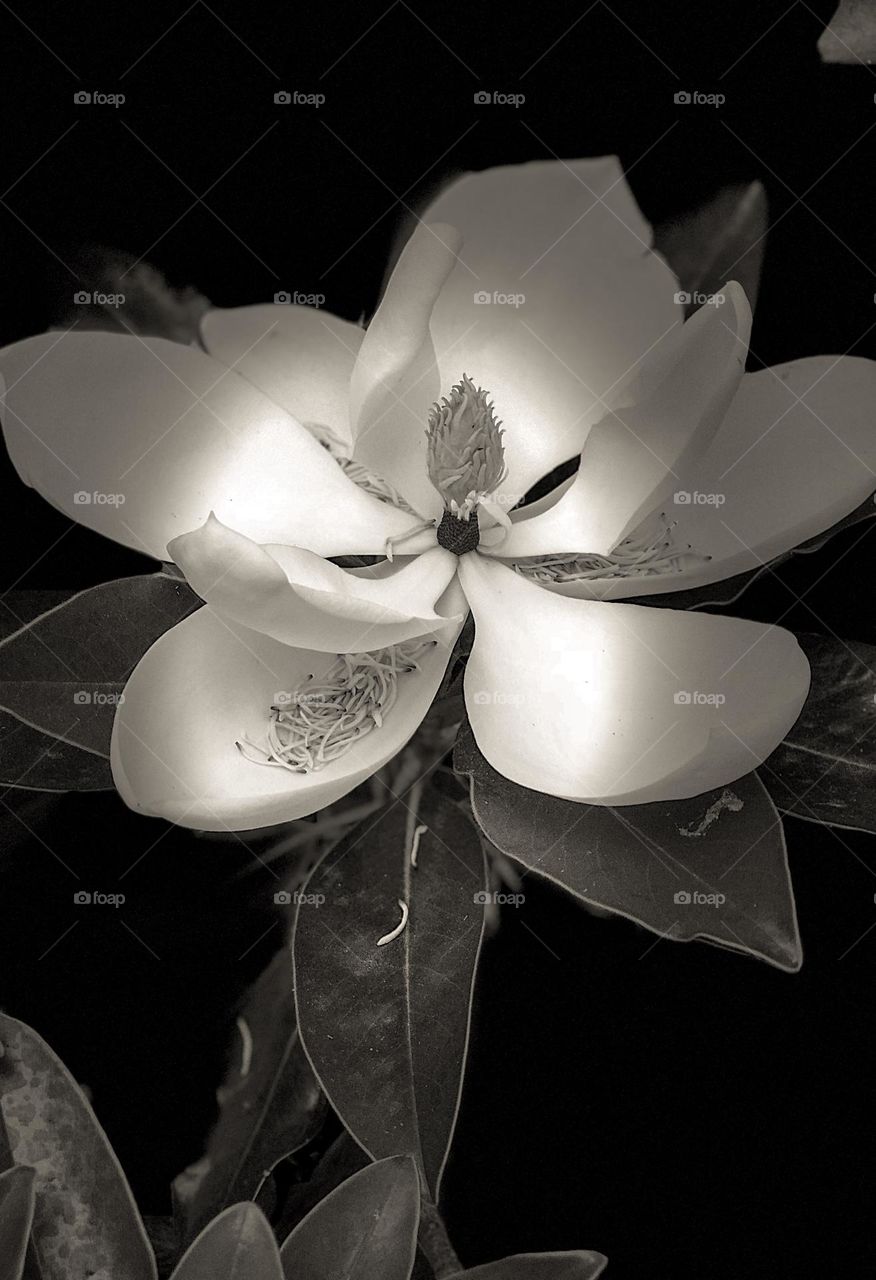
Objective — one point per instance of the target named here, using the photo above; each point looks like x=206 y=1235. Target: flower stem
x=435 y=1242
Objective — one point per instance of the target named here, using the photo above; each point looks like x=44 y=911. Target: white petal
x=300 y=357
x=208 y=682
x=140 y=439
x=569 y=238
x=300 y=599
x=796 y=453
x=635 y=458
x=396 y=379
x=580 y=699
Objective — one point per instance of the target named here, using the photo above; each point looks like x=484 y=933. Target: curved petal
x=635 y=458
x=209 y=682
x=396 y=379
x=300 y=357
x=567 y=237
x=619 y=704
x=300 y=599
x=140 y=439
x=795 y=453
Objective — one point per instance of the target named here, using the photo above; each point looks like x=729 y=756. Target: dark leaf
x=85 y=1223
x=238 y=1245
x=342 y=1159
x=270 y=1103
x=581 y=1264
x=825 y=770
x=386 y=1026
x=720 y=241
x=366 y=1228
x=16 y=1216
x=712 y=867
x=42 y=762
x=64 y=672
x=118 y=293
x=851 y=34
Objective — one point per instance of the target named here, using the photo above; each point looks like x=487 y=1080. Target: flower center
x=458 y=536
x=465 y=458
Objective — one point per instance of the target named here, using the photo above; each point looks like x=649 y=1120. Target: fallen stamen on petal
x=399 y=928
x=327 y=715
x=649 y=551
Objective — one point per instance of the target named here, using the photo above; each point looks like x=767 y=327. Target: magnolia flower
x=526 y=322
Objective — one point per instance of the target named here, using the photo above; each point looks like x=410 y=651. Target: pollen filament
x=327 y=715
x=649 y=551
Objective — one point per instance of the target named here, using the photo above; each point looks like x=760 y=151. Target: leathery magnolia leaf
x=729 y=590
x=16 y=1216
x=386 y=1026
x=64 y=672
x=42 y=762
x=851 y=35
x=713 y=867
x=238 y=1245
x=117 y=292
x=366 y=1228
x=85 y=1222
x=580 y=1264
x=270 y=1103
x=825 y=770
x=722 y=240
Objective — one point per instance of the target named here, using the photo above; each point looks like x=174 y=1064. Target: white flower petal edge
x=300 y=599
x=301 y=357
x=569 y=237
x=635 y=458
x=139 y=439
x=210 y=681
x=795 y=453
x=396 y=378
x=587 y=701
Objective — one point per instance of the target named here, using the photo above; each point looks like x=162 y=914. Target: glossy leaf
x=85 y=1223
x=364 y=1229
x=64 y=672
x=270 y=1103
x=386 y=1026
x=43 y=762
x=117 y=292
x=16 y=1216
x=825 y=770
x=713 y=867
x=580 y=1264
x=722 y=240
x=238 y=1245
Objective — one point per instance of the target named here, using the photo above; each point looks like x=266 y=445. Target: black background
x=689 y=1113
